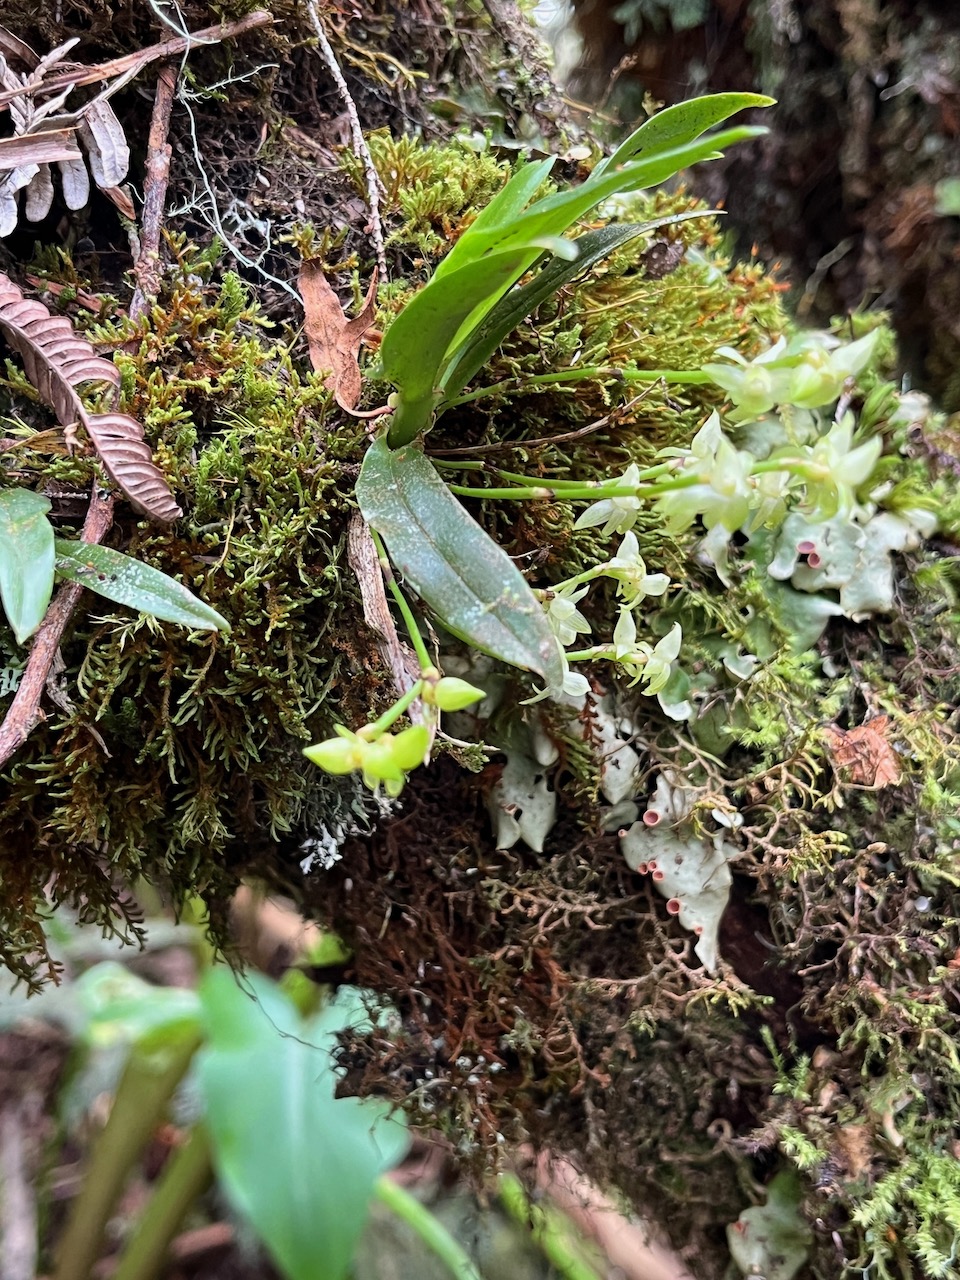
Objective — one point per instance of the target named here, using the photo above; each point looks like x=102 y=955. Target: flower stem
x=186 y=1176
x=552 y=1232
x=406 y=612
x=691 y=377
x=428 y=1227
x=373 y=731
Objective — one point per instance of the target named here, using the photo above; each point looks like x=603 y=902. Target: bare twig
x=359 y=142
x=147 y=270
x=506 y=446
x=24 y=712
x=118 y=66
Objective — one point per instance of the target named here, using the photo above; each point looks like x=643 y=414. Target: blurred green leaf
x=139 y=586
x=296 y=1162
x=456 y=568
x=121 y=1008
x=26 y=559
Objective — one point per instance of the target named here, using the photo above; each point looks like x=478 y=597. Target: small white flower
x=565 y=618
x=628 y=568
x=617 y=515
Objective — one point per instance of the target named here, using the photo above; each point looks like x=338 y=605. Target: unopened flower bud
x=453 y=694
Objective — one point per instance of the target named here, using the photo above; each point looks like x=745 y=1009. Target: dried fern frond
x=57 y=360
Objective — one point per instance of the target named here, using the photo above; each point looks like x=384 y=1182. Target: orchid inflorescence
x=790 y=459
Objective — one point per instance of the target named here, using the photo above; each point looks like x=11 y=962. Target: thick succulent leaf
x=555 y=214
x=298 y=1163
x=680 y=124
x=139 y=586
x=57 y=360
x=26 y=559
x=516 y=305
x=429 y=332
x=469 y=582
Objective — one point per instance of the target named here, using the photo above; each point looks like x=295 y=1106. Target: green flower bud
x=452 y=694
x=409 y=747
x=336 y=755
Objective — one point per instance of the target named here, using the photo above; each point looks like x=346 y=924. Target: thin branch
x=147 y=269
x=24 y=712
x=359 y=142
x=118 y=66
x=506 y=446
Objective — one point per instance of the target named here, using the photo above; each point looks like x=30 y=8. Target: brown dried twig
x=137 y=61
x=147 y=269
x=24 y=712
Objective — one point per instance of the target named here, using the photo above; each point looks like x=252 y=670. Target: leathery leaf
x=469 y=582
x=139 y=586
x=26 y=559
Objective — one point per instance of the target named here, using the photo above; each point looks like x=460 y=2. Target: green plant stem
x=392 y=714
x=428 y=1227
x=551 y=1231
x=146 y=1087
x=406 y=612
x=691 y=377
x=187 y=1175
x=576 y=493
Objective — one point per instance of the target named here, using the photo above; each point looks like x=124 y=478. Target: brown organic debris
x=867 y=752
x=334 y=340
x=57 y=360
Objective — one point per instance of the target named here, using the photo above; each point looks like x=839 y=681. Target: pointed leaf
x=415 y=345
x=26 y=559
x=139 y=586
x=502 y=211
x=521 y=301
x=298 y=1163
x=456 y=568
x=680 y=124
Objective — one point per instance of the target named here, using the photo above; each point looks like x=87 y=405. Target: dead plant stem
x=137 y=61
x=147 y=269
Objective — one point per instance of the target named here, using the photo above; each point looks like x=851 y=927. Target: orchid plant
x=514 y=255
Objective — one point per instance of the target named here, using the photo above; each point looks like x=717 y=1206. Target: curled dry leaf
x=107 y=151
x=867 y=752
x=333 y=339
x=57 y=360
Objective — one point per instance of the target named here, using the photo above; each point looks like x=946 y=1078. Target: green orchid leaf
x=415 y=346
x=26 y=559
x=522 y=300
x=502 y=211
x=296 y=1162
x=557 y=213
x=469 y=582
x=675 y=126
x=139 y=586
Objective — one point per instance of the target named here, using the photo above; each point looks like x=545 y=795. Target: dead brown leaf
x=333 y=339
x=867 y=752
